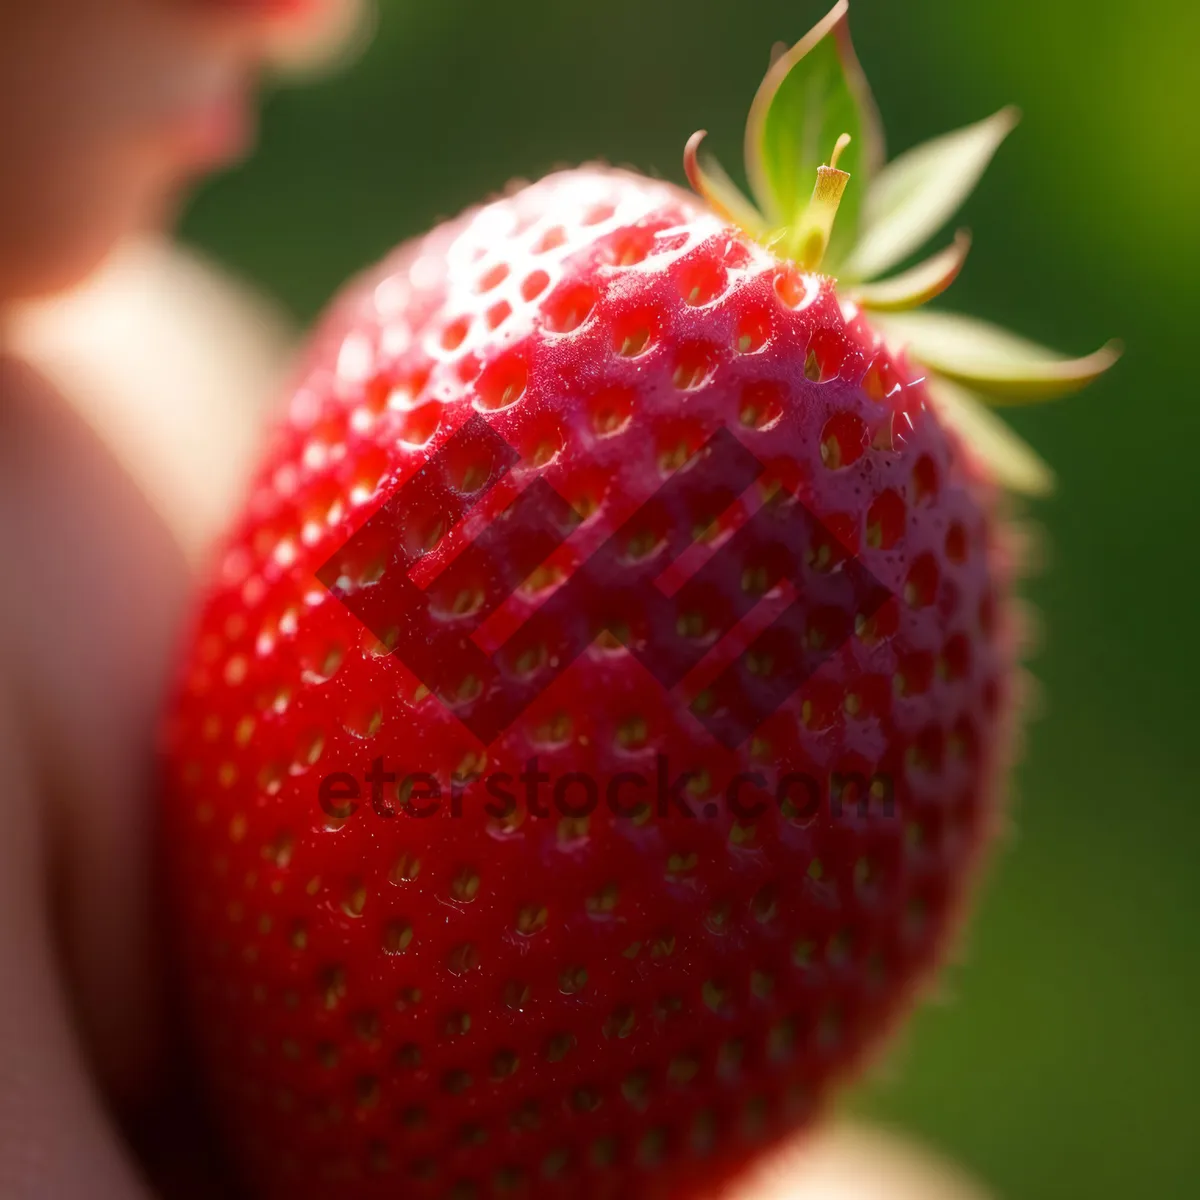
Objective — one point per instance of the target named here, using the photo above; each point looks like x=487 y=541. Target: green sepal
x=917 y=193
x=815 y=105
x=1010 y=461
x=811 y=95
x=919 y=284
x=1005 y=367
x=711 y=182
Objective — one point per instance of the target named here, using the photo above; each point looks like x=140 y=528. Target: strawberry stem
x=841 y=144
x=810 y=238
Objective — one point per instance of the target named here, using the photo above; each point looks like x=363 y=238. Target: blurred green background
x=1062 y=1058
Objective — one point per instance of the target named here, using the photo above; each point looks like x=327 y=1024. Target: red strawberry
x=550 y=1000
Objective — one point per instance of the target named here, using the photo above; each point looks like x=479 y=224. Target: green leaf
x=917 y=286
x=810 y=96
x=917 y=193
x=1011 y=462
x=710 y=181
x=992 y=360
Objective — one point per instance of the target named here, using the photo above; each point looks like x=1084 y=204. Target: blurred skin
x=119 y=103
x=111 y=108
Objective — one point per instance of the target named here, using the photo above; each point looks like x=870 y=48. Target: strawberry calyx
x=864 y=217
x=917 y=285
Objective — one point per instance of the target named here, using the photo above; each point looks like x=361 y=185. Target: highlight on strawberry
x=664 y=541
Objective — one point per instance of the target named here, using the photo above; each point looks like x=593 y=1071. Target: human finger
x=851 y=1162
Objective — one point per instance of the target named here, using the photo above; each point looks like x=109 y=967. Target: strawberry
x=495 y=866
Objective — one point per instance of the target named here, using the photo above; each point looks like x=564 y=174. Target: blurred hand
x=120 y=455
